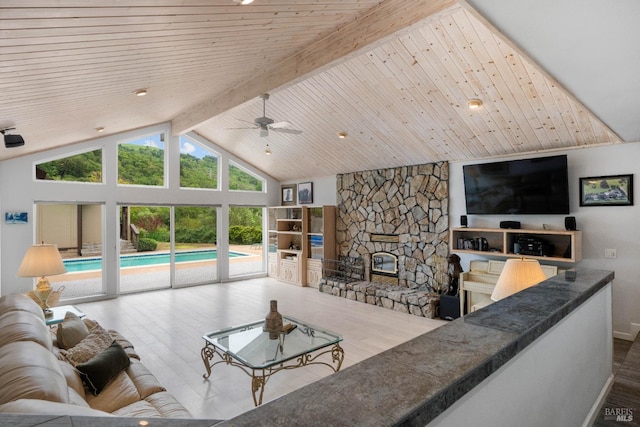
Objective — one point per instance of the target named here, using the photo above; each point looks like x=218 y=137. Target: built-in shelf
x=549 y=245
x=299 y=238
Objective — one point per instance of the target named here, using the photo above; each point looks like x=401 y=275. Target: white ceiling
x=394 y=74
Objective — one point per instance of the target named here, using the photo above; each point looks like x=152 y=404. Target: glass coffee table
x=249 y=348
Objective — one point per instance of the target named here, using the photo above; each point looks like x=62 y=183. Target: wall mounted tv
x=528 y=186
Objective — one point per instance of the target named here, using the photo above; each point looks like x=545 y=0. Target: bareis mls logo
x=618 y=414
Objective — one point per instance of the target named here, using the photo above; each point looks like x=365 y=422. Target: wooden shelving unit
x=562 y=246
x=299 y=238
x=320 y=240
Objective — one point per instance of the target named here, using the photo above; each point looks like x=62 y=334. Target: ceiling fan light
x=140 y=92
x=474 y=104
x=100 y=129
x=267 y=151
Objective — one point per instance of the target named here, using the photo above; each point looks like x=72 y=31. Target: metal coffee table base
x=259 y=377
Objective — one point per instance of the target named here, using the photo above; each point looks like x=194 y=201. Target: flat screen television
x=528 y=186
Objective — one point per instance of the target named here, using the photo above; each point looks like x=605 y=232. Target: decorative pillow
x=96 y=342
x=98 y=372
x=71 y=331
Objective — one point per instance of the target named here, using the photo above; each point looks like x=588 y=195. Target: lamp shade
x=41 y=260
x=517 y=274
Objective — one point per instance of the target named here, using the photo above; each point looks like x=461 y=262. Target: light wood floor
x=166 y=328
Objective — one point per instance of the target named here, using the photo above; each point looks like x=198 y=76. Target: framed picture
x=288 y=194
x=305 y=193
x=612 y=190
x=16 y=217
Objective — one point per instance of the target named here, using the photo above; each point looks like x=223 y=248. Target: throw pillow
x=98 y=372
x=71 y=331
x=97 y=341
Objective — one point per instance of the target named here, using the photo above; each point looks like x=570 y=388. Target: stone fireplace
x=402 y=213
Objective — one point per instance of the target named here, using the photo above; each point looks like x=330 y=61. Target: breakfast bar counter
x=540 y=357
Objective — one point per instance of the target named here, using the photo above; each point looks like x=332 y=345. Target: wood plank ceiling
x=68 y=67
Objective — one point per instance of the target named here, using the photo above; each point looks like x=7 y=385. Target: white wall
x=613 y=227
x=324 y=189
x=20 y=191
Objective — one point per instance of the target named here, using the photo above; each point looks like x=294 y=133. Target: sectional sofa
x=93 y=372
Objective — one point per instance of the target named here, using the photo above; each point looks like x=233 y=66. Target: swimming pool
x=88 y=264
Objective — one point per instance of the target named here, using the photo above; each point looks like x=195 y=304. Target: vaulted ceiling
x=395 y=75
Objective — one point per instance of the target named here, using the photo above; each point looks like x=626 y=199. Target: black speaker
x=449 y=307
x=11 y=141
x=510 y=224
x=463 y=221
x=570 y=223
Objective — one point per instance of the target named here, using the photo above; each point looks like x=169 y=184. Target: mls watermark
x=618 y=414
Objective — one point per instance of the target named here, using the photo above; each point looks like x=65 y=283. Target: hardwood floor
x=624 y=397
x=166 y=328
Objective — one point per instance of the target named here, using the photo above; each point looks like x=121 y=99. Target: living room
x=604 y=228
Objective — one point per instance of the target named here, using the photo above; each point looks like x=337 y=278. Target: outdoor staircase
x=95 y=249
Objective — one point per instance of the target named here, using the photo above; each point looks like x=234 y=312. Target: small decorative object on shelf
x=273 y=321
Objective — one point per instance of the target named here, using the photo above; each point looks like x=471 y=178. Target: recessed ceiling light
x=243 y=2
x=140 y=92
x=474 y=104
x=99 y=129
x=342 y=135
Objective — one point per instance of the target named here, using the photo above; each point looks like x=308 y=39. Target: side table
x=59 y=312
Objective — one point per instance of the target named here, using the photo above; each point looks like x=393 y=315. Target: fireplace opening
x=384 y=268
x=384 y=263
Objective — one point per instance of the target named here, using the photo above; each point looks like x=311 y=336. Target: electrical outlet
x=610 y=253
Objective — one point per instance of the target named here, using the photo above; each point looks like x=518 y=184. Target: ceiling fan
x=265 y=123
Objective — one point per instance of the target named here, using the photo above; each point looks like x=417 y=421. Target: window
x=195 y=245
x=83 y=167
x=77 y=231
x=145 y=236
x=245 y=241
x=141 y=161
x=240 y=179
x=198 y=165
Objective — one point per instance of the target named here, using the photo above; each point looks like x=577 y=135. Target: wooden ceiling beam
x=375 y=27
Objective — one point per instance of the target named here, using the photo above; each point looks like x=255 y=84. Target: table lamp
x=517 y=274
x=40 y=261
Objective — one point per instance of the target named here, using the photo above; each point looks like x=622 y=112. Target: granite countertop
x=414 y=382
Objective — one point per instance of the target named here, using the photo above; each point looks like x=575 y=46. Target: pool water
x=88 y=264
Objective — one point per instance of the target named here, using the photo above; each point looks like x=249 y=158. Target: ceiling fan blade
x=285 y=130
x=277 y=125
x=254 y=127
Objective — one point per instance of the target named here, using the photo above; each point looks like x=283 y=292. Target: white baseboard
x=595 y=409
x=634 y=329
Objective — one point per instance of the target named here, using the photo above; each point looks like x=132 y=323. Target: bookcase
x=320 y=240
x=300 y=237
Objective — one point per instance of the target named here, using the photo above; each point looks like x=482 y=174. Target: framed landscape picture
x=612 y=190
x=16 y=217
